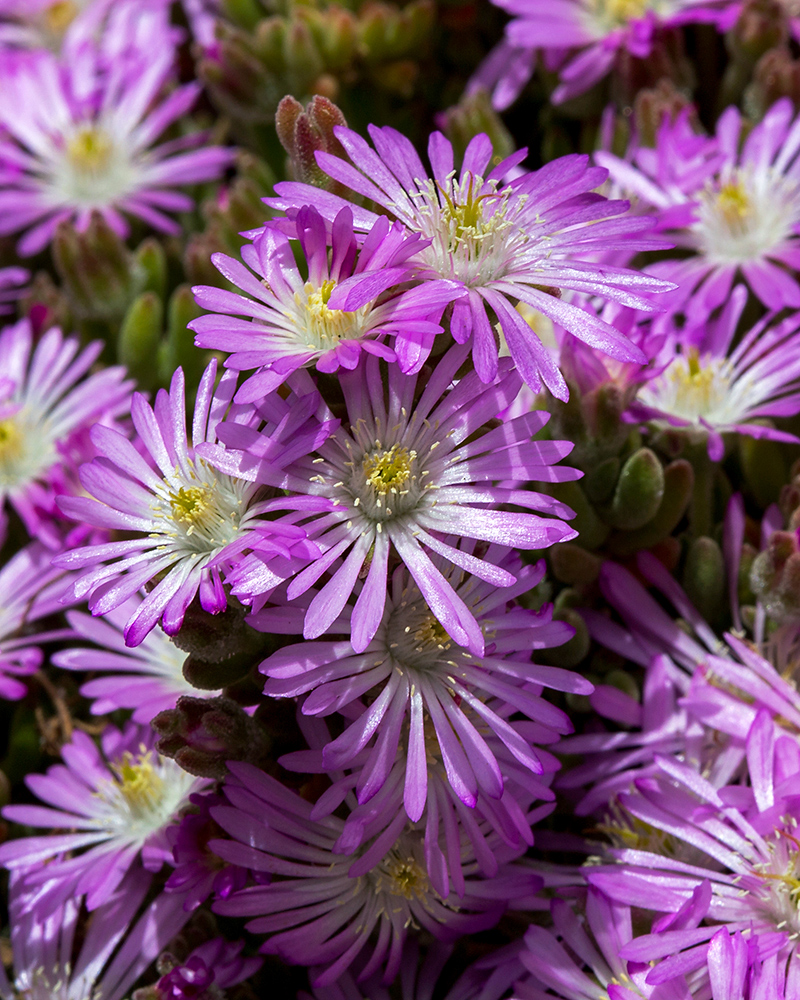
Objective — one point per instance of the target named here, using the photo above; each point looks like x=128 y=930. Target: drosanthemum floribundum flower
x=329 y=317
x=709 y=388
x=732 y=867
x=147 y=679
x=191 y=519
x=77 y=137
x=406 y=475
x=116 y=802
x=321 y=908
x=44 y=413
x=737 y=210
x=210 y=969
x=527 y=240
x=58 y=955
x=579 y=957
x=488 y=824
x=583 y=39
x=31 y=589
x=424 y=685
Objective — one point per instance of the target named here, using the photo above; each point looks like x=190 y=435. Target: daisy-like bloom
x=737 y=210
x=57 y=955
x=430 y=693
x=213 y=967
x=321 y=908
x=733 y=869
x=405 y=474
x=11 y=278
x=191 y=519
x=579 y=958
x=148 y=679
x=329 y=317
x=584 y=38
x=77 y=138
x=31 y=589
x=46 y=405
x=527 y=240
x=704 y=385
x=448 y=822
x=117 y=802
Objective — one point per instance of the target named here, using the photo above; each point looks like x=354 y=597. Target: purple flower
x=58 y=954
x=148 y=679
x=328 y=318
x=63 y=25
x=407 y=475
x=78 y=139
x=728 y=886
x=525 y=241
x=321 y=908
x=735 y=205
x=579 y=958
x=583 y=39
x=490 y=825
x=32 y=589
x=190 y=519
x=705 y=385
x=44 y=413
x=214 y=966
x=117 y=803
x=422 y=683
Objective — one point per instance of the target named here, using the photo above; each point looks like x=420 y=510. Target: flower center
x=691 y=388
x=140 y=784
x=203 y=514
x=59 y=16
x=474 y=235
x=747 y=216
x=386 y=471
x=89 y=150
x=10 y=441
x=402 y=876
x=417 y=640
x=617 y=13
x=325 y=327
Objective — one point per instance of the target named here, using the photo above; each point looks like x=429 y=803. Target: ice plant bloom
x=733 y=867
x=584 y=38
x=46 y=406
x=710 y=388
x=147 y=679
x=57 y=955
x=77 y=138
x=406 y=475
x=213 y=967
x=427 y=690
x=738 y=213
x=579 y=957
x=328 y=317
x=490 y=825
x=321 y=908
x=189 y=517
x=527 y=240
x=116 y=802
x=30 y=589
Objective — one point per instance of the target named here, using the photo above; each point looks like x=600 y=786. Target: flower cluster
x=399 y=557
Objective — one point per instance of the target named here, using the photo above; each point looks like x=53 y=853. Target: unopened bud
x=638 y=493
x=302 y=133
x=201 y=734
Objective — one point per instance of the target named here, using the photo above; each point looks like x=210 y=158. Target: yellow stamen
x=141 y=785
x=388 y=470
x=89 y=150
x=10 y=440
